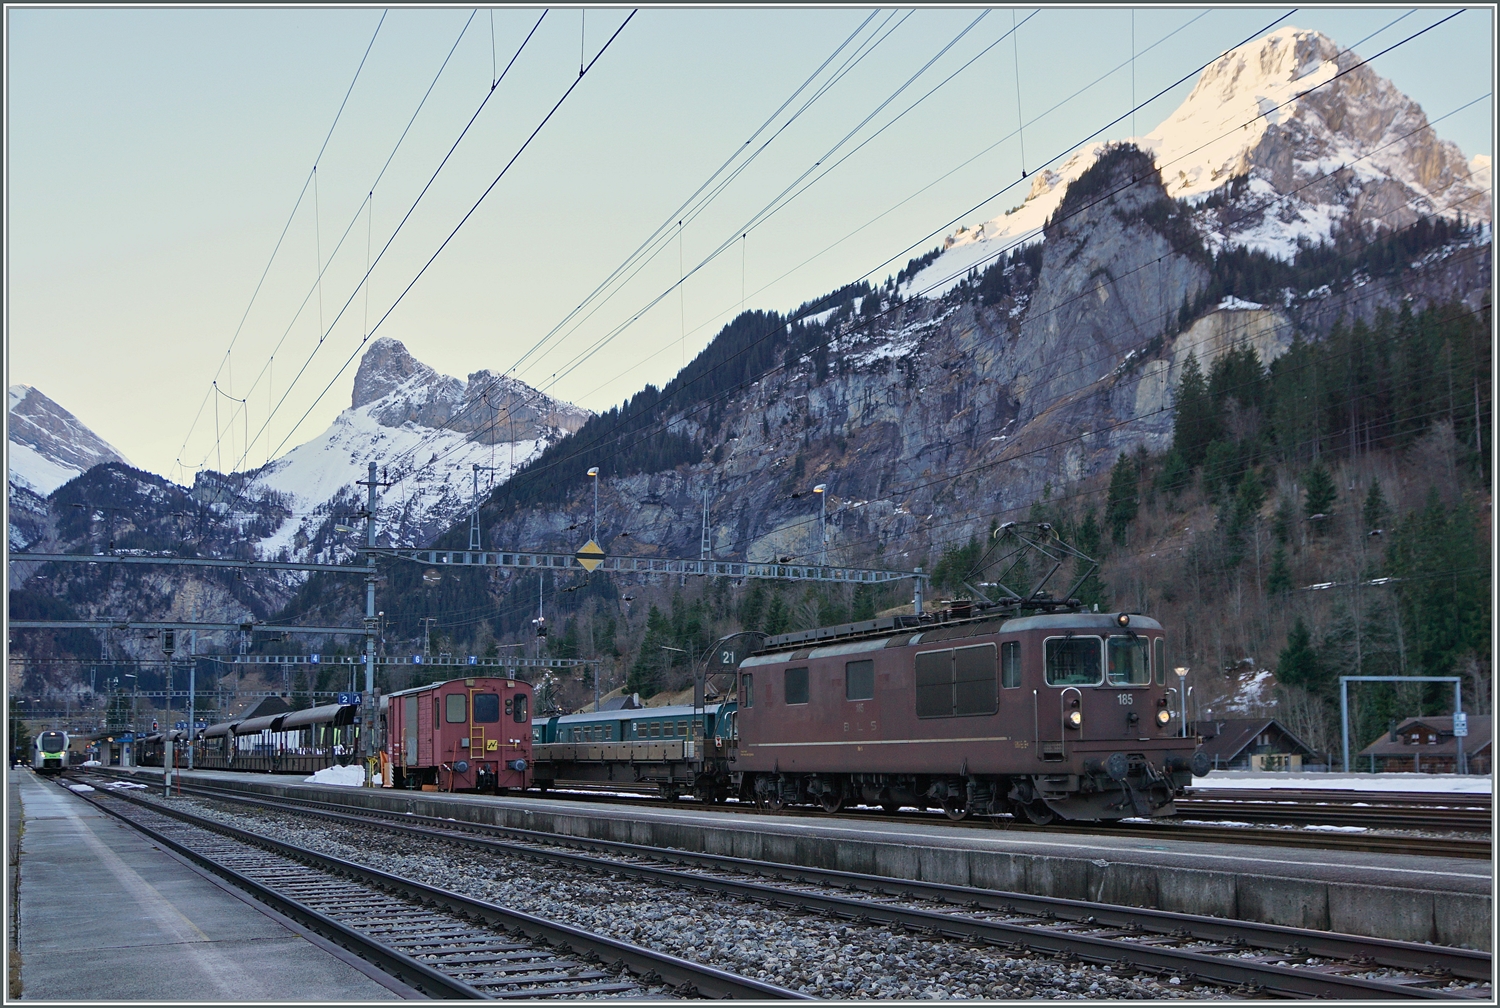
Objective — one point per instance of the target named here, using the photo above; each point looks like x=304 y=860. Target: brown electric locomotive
x=461 y=735
x=1037 y=708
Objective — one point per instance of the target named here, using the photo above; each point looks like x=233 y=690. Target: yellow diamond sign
x=590 y=555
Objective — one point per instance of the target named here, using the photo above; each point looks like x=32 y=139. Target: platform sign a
x=590 y=555
x=350 y=699
x=1460 y=724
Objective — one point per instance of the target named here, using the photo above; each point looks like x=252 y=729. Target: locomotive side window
x=974 y=680
x=1160 y=657
x=859 y=680
x=747 y=694
x=456 y=709
x=520 y=714
x=1127 y=662
x=486 y=708
x=1074 y=661
x=1010 y=664
x=955 y=683
x=935 y=684
x=796 y=685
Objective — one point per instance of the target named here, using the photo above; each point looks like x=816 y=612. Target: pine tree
x=1298 y=664
x=1092 y=591
x=1279 y=580
x=1375 y=509
x=1321 y=492
x=1195 y=423
x=1124 y=500
x=1281 y=524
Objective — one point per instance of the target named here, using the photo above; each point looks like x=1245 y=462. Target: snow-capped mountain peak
x=48 y=445
x=1316 y=139
x=426 y=431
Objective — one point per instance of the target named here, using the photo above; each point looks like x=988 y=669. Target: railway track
x=442 y=943
x=1337 y=808
x=1169 y=829
x=1249 y=957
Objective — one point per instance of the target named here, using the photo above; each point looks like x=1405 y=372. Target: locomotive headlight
x=1074 y=719
x=1163 y=717
x=1123 y=619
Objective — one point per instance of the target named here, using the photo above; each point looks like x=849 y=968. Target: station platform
x=1446 y=901
x=106 y=916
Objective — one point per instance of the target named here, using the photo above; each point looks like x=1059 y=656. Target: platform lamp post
x=822 y=491
x=1182 y=671
x=594 y=475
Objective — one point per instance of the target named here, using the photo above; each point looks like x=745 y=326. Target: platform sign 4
x=1460 y=724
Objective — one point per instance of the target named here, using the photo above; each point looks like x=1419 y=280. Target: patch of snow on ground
x=343 y=776
x=1232 y=303
x=79 y=787
x=1454 y=783
x=1338 y=829
x=92 y=762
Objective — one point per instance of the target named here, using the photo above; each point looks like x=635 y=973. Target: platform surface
x=106 y=916
x=1409 y=897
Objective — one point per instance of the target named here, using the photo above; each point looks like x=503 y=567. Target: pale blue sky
x=155 y=155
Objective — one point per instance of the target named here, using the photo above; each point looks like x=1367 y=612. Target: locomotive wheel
x=831 y=801
x=771 y=801
x=1038 y=813
x=956 y=809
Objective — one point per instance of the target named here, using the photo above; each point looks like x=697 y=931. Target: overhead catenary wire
x=316 y=288
x=254 y=294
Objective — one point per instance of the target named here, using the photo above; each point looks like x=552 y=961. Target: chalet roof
x=1481 y=728
x=1225 y=738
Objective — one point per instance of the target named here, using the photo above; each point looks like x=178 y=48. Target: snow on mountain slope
x=1318 y=139
x=426 y=431
x=48 y=445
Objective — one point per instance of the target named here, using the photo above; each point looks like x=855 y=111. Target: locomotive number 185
x=1125 y=698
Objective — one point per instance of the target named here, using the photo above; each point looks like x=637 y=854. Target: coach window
x=1159 y=658
x=486 y=708
x=1074 y=661
x=520 y=714
x=747 y=693
x=859 y=680
x=1127 y=661
x=1010 y=664
x=456 y=710
x=796 y=685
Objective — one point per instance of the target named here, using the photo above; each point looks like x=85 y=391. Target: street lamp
x=1182 y=671
x=594 y=475
x=822 y=491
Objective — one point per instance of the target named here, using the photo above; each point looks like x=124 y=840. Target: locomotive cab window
x=486 y=708
x=1074 y=661
x=1159 y=659
x=520 y=710
x=456 y=708
x=859 y=680
x=796 y=685
x=747 y=692
x=1010 y=664
x=1128 y=661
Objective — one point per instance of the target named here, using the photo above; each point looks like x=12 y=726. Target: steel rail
x=1347 y=796
x=1238 y=934
x=651 y=966
x=1280 y=811
x=1445 y=847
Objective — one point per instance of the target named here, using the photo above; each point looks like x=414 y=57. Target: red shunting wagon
x=461 y=735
